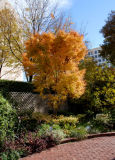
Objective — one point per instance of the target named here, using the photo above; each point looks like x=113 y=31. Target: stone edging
x=89 y=137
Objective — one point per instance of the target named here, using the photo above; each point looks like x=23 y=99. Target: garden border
x=88 y=137
x=75 y=139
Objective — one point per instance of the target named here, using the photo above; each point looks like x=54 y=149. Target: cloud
x=63 y=3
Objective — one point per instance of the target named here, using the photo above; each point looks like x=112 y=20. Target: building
x=94 y=53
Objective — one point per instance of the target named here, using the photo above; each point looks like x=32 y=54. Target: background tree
x=41 y=16
x=11 y=46
x=100 y=89
x=54 y=64
x=108 y=31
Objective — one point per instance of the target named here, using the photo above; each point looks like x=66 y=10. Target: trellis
x=28 y=101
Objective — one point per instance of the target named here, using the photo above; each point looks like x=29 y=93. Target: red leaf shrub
x=29 y=144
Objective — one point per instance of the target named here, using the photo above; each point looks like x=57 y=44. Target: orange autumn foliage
x=54 y=64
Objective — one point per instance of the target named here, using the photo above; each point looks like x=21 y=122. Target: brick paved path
x=102 y=148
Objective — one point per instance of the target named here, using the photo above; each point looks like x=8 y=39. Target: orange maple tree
x=53 y=61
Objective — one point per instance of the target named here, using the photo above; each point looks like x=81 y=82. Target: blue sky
x=89 y=16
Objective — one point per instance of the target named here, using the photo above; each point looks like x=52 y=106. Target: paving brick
x=101 y=148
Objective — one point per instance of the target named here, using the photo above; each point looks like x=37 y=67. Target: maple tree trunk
x=30 y=78
x=0 y=72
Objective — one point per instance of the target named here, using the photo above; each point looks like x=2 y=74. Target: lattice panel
x=29 y=101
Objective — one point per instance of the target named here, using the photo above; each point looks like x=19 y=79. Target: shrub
x=27 y=144
x=55 y=131
x=50 y=140
x=113 y=117
x=10 y=155
x=41 y=118
x=81 y=117
x=7 y=119
x=101 y=123
x=58 y=135
x=27 y=124
x=43 y=129
x=94 y=130
x=35 y=144
x=103 y=118
x=66 y=122
x=80 y=133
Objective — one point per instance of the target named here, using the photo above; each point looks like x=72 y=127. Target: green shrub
x=10 y=155
x=79 y=133
x=54 y=130
x=113 y=117
x=103 y=120
x=81 y=117
x=43 y=129
x=101 y=123
x=58 y=135
x=66 y=122
x=95 y=130
x=56 y=127
x=41 y=118
x=7 y=119
x=27 y=124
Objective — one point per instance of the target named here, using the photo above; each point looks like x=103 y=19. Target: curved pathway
x=101 y=148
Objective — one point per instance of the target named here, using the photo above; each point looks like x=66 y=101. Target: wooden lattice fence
x=29 y=101
x=32 y=102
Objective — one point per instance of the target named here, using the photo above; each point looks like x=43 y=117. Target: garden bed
x=26 y=133
x=67 y=140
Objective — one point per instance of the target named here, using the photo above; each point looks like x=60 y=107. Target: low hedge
x=16 y=86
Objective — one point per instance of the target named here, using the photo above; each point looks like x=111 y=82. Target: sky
x=88 y=16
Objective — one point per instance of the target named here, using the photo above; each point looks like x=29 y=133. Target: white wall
x=11 y=73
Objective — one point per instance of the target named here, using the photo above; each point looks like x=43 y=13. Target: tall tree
x=54 y=64
x=108 y=31
x=11 y=46
x=40 y=16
